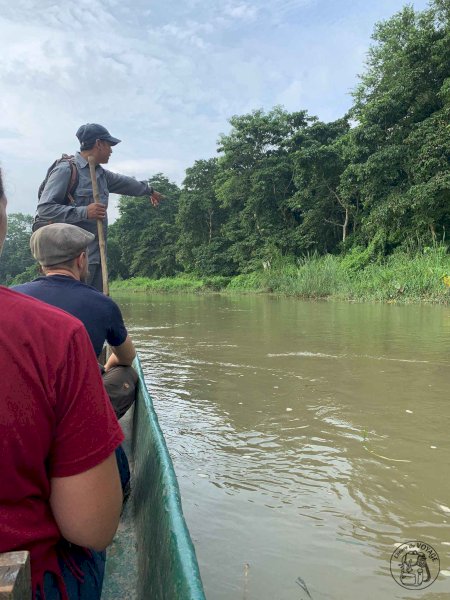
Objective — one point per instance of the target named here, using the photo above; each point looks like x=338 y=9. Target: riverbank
x=400 y=278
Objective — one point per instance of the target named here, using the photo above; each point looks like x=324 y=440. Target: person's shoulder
x=23 y=288
x=106 y=301
x=108 y=173
x=79 y=160
x=115 y=308
x=89 y=290
x=62 y=166
x=93 y=295
x=13 y=296
x=37 y=311
x=103 y=299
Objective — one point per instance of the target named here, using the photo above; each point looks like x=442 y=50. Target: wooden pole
x=101 y=235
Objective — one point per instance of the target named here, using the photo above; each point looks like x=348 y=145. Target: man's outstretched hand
x=156 y=198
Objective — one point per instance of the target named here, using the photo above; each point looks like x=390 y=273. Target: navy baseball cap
x=87 y=134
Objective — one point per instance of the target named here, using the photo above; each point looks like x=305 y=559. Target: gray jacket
x=51 y=210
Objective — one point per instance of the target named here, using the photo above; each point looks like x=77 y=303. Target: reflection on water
x=309 y=439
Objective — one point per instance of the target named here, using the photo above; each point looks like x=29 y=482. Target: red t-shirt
x=55 y=421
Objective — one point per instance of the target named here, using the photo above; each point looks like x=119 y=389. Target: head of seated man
x=62 y=248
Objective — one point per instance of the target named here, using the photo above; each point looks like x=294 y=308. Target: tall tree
x=401 y=140
x=255 y=181
x=326 y=213
x=201 y=247
x=143 y=238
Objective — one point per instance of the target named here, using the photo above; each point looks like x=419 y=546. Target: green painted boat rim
x=179 y=529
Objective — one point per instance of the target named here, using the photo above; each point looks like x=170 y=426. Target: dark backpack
x=73 y=181
x=71 y=186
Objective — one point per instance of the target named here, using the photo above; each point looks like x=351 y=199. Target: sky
x=165 y=77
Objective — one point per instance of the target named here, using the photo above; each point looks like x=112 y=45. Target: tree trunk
x=345 y=225
x=210 y=215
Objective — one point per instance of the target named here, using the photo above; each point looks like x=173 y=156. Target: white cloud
x=146 y=167
x=241 y=11
x=188 y=34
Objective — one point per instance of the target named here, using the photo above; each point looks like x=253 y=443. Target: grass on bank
x=166 y=284
x=399 y=278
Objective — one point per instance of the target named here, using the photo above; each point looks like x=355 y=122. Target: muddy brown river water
x=310 y=439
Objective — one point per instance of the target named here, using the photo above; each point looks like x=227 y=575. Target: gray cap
x=89 y=133
x=56 y=243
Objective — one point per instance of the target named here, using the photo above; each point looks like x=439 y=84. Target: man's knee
x=120 y=384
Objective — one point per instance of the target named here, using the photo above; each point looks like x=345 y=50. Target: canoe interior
x=152 y=556
x=121 y=573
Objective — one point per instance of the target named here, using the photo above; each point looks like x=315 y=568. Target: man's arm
x=122 y=184
x=85 y=492
x=51 y=207
x=87 y=506
x=121 y=355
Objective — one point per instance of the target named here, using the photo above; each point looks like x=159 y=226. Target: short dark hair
x=84 y=147
x=2 y=189
x=89 y=146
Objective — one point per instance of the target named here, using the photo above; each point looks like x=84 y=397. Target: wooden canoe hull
x=165 y=566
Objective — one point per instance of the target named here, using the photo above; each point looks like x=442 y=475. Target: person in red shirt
x=60 y=496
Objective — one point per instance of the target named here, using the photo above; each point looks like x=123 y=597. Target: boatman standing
x=67 y=195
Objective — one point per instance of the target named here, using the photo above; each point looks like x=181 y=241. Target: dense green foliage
x=367 y=192
x=16 y=256
x=142 y=241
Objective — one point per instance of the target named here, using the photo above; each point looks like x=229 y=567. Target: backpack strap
x=73 y=181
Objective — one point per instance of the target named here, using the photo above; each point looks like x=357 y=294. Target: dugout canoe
x=152 y=556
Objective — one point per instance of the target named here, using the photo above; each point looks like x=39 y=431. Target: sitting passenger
x=61 y=250
x=60 y=495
